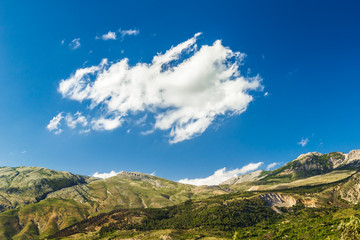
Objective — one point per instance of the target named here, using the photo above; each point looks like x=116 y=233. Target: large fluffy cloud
x=185 y=89
x=221 y=175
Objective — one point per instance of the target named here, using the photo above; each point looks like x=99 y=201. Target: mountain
x=309 y=164
x=322 y=189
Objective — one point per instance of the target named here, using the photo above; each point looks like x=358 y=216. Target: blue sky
x=304 y=56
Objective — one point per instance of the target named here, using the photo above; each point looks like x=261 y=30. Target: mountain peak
x=309 y=154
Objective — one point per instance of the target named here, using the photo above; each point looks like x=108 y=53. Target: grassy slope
x=48 y=216
x=277 y=183
x=134 y=190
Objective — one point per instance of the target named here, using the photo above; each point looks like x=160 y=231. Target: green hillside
x=134 y=190
x=279 y=214
x=24 y=185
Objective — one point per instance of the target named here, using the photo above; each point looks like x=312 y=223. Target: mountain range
x=321 y=189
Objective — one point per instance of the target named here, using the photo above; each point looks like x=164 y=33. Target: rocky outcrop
x=278 y=199
x=350 y=191
x=352 y=159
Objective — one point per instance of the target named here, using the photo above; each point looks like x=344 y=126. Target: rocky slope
x=350 y=191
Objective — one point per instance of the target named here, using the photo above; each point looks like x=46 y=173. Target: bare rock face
x=353 y=158
x=353 y=155
x=350 y=191
x=337 y=159
x=278 y=199
x=253 y=176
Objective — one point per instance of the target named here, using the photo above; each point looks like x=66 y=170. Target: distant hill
x=134 y=190
x=24 y=185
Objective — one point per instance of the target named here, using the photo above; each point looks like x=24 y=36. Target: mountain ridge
x=39 y=202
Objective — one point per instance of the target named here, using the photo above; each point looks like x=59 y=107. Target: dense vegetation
x=214 y=214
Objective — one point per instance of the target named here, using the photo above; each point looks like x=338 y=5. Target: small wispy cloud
x=129 y=32
x=303 y=142
x=75 y=44
x=54 y=124
x=141 y=121
x=71 y=121
x=62 y=42
x=23 y=152
x=221 y=175
x=271 y=166
x=108 y=36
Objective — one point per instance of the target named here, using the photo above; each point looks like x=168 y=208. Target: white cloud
x=23 y=152
x=71 y=121
x=105 y=175
x=108 y=36
x=129 y=32
x=221 y=175
x=62 y=42
x=107 y=123
x=185 y=89
x=303 y=142
x=77 y=119
x=271 y=166
x=75 y=44
x=54 y=124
